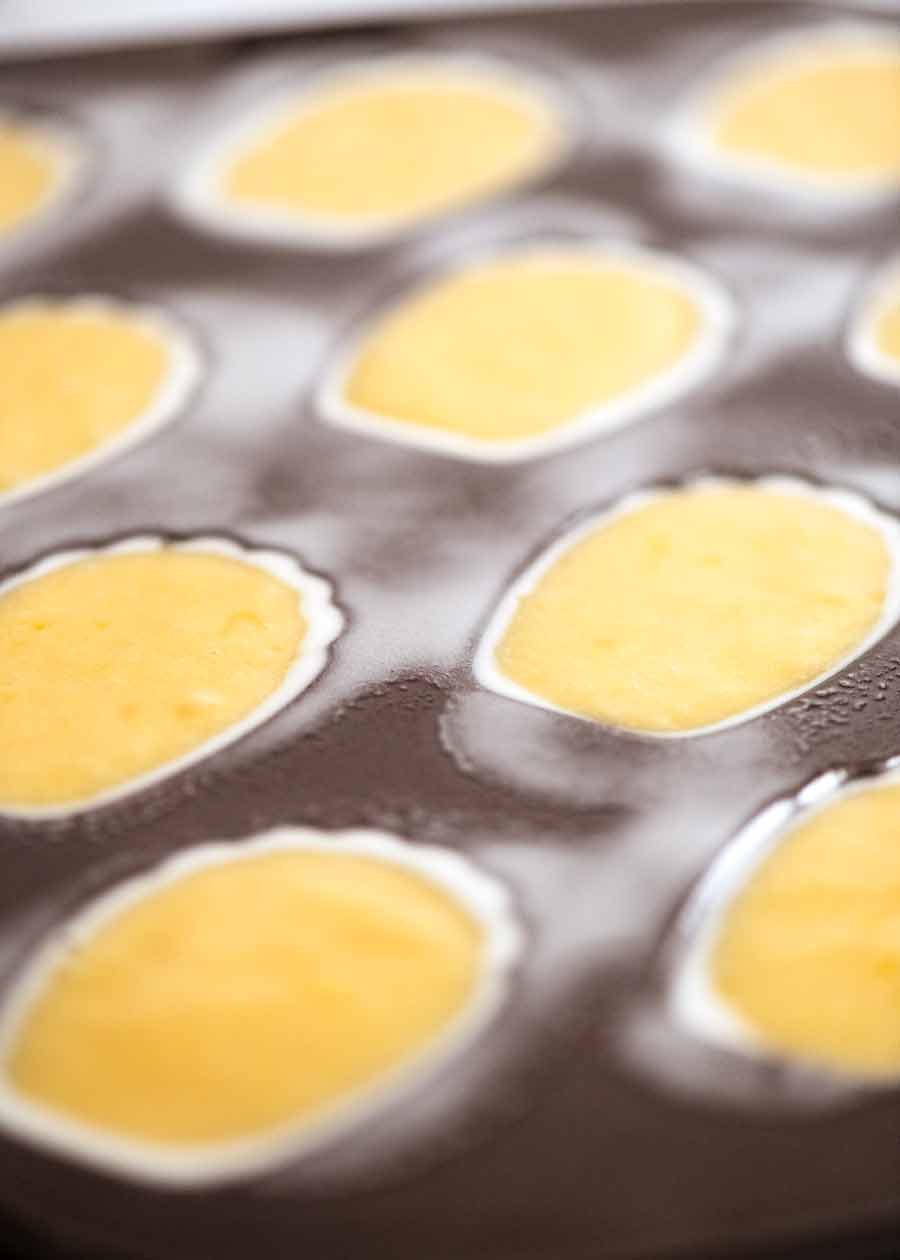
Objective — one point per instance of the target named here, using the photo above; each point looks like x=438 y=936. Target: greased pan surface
x=35 y=28
x=582 y=1122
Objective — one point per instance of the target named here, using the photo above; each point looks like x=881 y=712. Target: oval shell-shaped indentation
x=81 y=380
x=127 y=663
x=682 y=611
x=818 y=109
x=38 y=162
x=533 y=350
x=368 y=150
x=873 y=341
x=244 y=1001
x=803 y=961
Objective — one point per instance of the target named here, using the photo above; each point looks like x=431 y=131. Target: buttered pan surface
x=582 y=1122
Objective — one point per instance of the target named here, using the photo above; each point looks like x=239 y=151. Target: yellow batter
x=399 y=146
x=887 y=330
x=117 y=664
x=519 y=346
x=809 y=954
x=29 y=175
x=831 y=109
x=73 y=376
x=697 y=606
x=247 y=995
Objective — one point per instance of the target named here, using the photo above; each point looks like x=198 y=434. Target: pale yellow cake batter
x=887 y=330
x=29 y=175
x=73 y=376
x=832 y=110
x=809 y=954
x=697 y=606
x=247 y=995
x=519 y=346
x=117 y=664
x=397 y=146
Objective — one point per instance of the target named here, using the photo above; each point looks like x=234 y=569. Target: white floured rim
x=863 y=349
x=691 y=134
x=715 y=305
x=197 y=196
x=489 y=674
x=58 y=143
x=692 y=999
x=183 y=375
x=323 y=618
x=481 y=895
